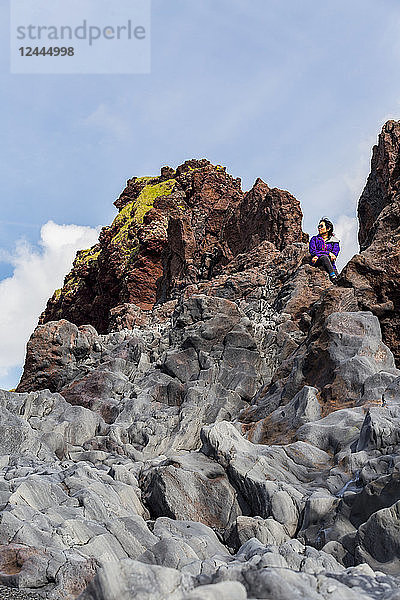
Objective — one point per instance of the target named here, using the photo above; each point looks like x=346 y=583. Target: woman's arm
x=335 y=248
x=313 y=247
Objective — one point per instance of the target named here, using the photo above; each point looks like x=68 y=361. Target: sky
x=293 y=92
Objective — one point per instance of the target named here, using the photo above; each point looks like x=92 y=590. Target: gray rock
x=182 y=364
x=48 y=418
x=303 y=408
x=375 y=385
x=378 y=538
x=319 y=514
x=226 y=590
x=338 y=357
x=335 y=432
x=132 y=533
x=270 y=478
x=267 y=531
x=391 y=394
x=40 y=494
x=380 y=493
x=173 y=553
x=356 y=340
x=295 y=571
x=337 y=551
x=190 y=486
x=380 y=429
x=367 y=583
x=288 y=571
x=102 y=497
x=212 y=332
x=129 y=579
x=241 y=370
x=17 y=437
x=156 y=429
x=371 y=468
x=197 y=536
x=281 y=423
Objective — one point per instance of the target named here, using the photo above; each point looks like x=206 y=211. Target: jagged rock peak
x=135 y=185
x=181 y=227
x=374 y=273
x=383 y=184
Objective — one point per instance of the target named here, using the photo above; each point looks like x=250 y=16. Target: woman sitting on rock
x=324 y=248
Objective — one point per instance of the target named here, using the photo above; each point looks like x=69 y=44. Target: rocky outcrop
x=383 y=186
x=374 y=272
x=265 y=214
x=173 y=230
x=202 y=415
x=126 y=263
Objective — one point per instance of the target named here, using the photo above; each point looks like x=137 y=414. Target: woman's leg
x=325 y=263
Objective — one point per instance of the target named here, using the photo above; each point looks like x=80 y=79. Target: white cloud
x=346 y=230
x=37 y=273
x=337 y=194
x=356 y=175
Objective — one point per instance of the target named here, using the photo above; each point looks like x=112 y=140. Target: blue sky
x=292 y=92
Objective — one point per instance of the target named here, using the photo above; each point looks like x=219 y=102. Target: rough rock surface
x=374 y=272
x=178 y=228
x=202 y=415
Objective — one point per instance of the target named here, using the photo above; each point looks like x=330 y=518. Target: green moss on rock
x=133 y=213
x=87 y=257
x=124 y=240
x=144 y=179
x=145 y=201
x=71 y=285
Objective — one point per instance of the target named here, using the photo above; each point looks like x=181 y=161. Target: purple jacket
x=318 y=246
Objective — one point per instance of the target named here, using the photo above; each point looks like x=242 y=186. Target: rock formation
x=202 y=414
x=374 y=273
x=173 y=230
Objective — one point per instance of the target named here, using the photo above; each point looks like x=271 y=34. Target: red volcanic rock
x=383 y=185
x=178 y=229
x=53 y=354
x=265 y=214
x=249 y=276
x=204 y=243
x=196 y=247
x=126 y=264
x=13 y=557
x=374 y=273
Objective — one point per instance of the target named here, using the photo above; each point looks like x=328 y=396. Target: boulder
x=378 y=539
x=271 y=479
x=190 y=486
x=335 y=432
x=226 y=590
x=129 y=579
